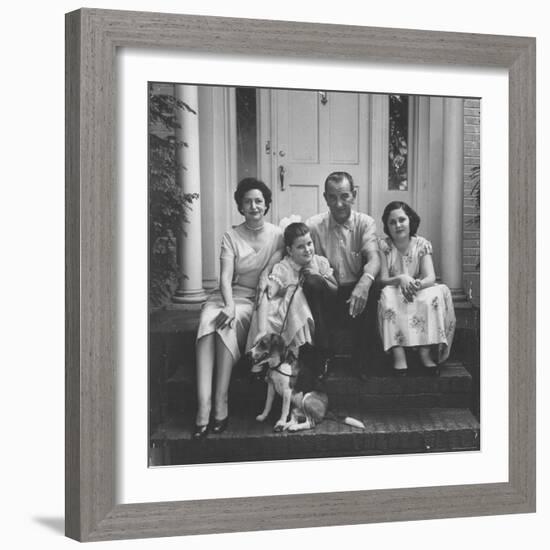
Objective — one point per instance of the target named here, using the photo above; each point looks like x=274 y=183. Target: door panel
x=309 y=199
x=343 y=128
x=301 y=142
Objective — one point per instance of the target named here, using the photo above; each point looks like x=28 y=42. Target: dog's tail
x=349 y=420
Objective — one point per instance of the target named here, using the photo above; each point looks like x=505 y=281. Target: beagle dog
x=295 y=375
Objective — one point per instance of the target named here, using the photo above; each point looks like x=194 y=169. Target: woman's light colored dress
x=296 y=323
x=429 y=320
x=248 y=265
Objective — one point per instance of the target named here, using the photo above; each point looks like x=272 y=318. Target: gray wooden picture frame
x=92 y=39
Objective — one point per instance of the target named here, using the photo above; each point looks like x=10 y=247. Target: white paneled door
x=314 y=133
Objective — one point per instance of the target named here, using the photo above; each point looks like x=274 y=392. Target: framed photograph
x=162 y=99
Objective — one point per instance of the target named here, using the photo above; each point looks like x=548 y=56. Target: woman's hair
x=414 y=218
x=293 y=231
x=247 y=184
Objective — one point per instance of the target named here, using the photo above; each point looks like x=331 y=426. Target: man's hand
x=358 y=299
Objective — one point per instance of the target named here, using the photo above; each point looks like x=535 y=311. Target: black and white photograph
x=272 y=283
x=314 y=273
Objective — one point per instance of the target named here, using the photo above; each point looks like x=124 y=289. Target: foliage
x=398 y=147
x=167 y=202
x=476 y=192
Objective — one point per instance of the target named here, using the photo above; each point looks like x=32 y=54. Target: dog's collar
x=278 y=369
x=266 y=366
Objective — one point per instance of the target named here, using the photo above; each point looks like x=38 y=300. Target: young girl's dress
x=429 y=320
x=248 y=264
x=296 y=327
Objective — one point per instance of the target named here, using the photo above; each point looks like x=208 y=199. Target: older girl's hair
x=414 y=218
x=293 y=231
x=247 y=184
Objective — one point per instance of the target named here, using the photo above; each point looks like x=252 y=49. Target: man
x=348 y=239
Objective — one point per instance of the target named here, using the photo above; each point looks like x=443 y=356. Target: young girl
x=413 y=311
x=283 y=308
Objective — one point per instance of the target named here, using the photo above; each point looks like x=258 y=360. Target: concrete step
x=452 y=389
x=387 y=432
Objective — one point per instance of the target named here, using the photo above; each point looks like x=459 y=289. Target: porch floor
x=387 y=432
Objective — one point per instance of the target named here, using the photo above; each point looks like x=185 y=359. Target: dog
x=295 y=375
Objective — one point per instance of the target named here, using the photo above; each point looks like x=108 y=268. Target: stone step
x=387 y=432
x=173 y=333
x=452 y=389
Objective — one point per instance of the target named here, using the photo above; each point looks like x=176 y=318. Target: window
x=246 y=132
x=398 y=147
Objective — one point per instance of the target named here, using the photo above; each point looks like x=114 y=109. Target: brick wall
x=471 y=241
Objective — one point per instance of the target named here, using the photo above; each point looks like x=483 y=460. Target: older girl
x=413 y=311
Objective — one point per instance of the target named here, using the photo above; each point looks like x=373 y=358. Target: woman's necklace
x=259 y=228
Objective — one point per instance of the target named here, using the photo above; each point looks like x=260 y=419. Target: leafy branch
x=475 y=180
x=167 y=202
x=476 y=191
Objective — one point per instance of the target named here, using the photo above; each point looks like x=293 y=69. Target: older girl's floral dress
x=429 y=320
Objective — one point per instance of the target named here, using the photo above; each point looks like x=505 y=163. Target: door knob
x=282 y=172
x=282 y=153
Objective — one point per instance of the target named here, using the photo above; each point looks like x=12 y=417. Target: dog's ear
x=277 y=343
x=290 y=356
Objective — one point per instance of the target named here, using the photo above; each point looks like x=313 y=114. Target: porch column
x=452 y=196
x=190 y=290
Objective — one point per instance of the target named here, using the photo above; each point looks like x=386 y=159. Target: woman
x=413 y=311
x=247 y=250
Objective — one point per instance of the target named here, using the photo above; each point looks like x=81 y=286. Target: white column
x=218 y=148
x=452 y=196
x=190 y=290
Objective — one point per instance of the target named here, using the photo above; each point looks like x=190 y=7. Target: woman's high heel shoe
x=200 y=432
x=219 y=426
